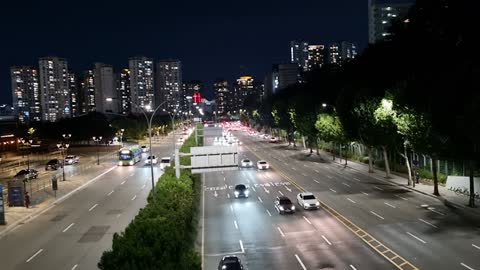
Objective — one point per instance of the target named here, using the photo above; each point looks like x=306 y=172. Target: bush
x=364 y=159
x=427 y=174
x=162 y=234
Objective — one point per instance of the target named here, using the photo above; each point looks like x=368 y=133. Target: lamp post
x=27 y=143
x=149 y=123
x=63 y=148
x=97 y=140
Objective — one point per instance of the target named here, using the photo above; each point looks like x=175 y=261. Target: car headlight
x=305 y=204
x=247 y=192
x=293 y=207
x=281 y=208
x=317 y=203
x=236 y=193
x=131 y=162
x=119 y=163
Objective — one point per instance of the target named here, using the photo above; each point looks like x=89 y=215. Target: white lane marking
x=266 y=190
x=345 y=184
x=289 y=189
x=133 y=198
x=428 y=223
x=352 y=201
x=365 y=193
x=306 y=219
x=280 y=193
x=68 y=227
x=475 y=246
x=326 y=240
x=34 y=255
x=403 y=198
x=280 y=231
x=316 y=171
x=466 y=266
x=416 y=237
x=268 y=212
x=74 y=267
x=356 y=179
x=131 y=175
x=316 y=181
x=304 y=175
x=333 y=190
x=241 y=246
x=225 y=179
x=122 y=182
x=235 y=223
x=93 y=207
x=231 y=208
x=253 y=188
x=330 y=177
x=377 y=188
x=300 y=262
x=393 y=206
x=260 y=199
x=377 y=215
x=353 y=267
x=435 y=211
x=294 y=169
x=228 y=195
x=110 y=193
x=144 y=185
x=215 y=193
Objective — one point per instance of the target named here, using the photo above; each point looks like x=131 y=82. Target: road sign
x=214 y=158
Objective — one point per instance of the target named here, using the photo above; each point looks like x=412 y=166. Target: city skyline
x=200 y=40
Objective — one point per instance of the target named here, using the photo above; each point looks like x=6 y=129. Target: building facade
x=26 y=94
x=123 y=91
x=169 y=85
x=316 y=56
x=288 y=74
x=348 y=51
x=243 y=87
x=299 y=53
x=220 y=88
x=106 y=99
x=141 y=84
x=334 y=54
x=380 y=17
x=55 y=96
x=87 y=92
x=74 y=86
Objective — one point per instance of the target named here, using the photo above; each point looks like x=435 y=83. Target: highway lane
x=74 y=233
x=310 y=239
x=398 y=219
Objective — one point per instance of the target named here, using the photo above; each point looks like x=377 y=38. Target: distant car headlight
x=281 y=208
x=236 y=193
x=306 y=205
x=293 y=207
x=131 y=162
x=120 y=163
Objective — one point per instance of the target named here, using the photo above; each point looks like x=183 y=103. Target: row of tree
x=418 y=91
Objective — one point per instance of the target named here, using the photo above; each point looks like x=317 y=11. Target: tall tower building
x=169 y=84
x=74 y=86
x=348 y=51
x=380 y=17
x=243 y=87
x=26 y=93
x=123 y=91
x=299 y=53
x=316 y=56
x=288 y=74
x=106 y=99
x=87 y=93
x=334 y=54
x=141 y=83
x=55 y=96
x=221 y=96
x=189 y=90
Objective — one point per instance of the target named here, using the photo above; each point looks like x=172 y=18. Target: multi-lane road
x=364 y=223
x=74 y=233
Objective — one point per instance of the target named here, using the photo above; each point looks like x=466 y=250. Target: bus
x=129 y=155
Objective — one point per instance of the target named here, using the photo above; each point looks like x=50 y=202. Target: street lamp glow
x=324 y=105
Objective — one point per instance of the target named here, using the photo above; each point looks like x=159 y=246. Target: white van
x=165 y=162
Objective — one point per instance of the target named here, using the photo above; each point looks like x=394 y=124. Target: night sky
x=213 y=39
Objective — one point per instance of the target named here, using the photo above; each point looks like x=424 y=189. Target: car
x=273 y=139
x=181 y=140
x=144 y=148
x=151 y=160
x=262 y=165
x=71 y=159
x=241 y=191
x=308 y=201
x=284 y=205
x=165 y=162
x=26 y=174
x=246 y=163
x=230 y=262
x=53 y=164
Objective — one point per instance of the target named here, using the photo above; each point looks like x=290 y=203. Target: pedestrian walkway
x=448 y=197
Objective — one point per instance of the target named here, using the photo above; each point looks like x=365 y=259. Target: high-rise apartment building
x=74 y=86
x=221 y=96
x=380 y=17
x=288 y=74
x=190 y=89
x=348 y=51
x=123 y=91
x=316 y=56
x=243 y=88
x=169 y=85
x=26 y=93
x=55 y=96
x=141 y=83
x=299 y=53
x=87 y=92
x=106 y=99
x=334 y=54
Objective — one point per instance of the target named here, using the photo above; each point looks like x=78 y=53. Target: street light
x=120 y=134
x=149 y=123
x=97 y=140
x=63 y=148
x=27 y=143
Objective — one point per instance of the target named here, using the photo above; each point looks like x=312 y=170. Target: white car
x=144 y=148
x=262 y=165
x=308 y=201
x=71 y=159
x=273 y=140
x=151 y=160
x=165 y=162
x=180 y=140
x=246 y=163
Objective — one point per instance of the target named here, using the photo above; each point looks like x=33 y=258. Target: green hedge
x=162 y=235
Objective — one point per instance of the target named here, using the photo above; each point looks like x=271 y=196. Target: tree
x=330 y=129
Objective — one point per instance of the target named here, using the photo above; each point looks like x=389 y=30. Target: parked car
x=151 y=159
x=165 y=162
x=231 y=262
x=71 y=159
x=53 y=164
x=284 y=205
x=26 y=174
x=308 y=201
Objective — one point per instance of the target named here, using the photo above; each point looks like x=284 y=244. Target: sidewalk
x=447 y=197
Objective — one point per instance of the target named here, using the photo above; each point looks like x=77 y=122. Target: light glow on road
x=34 y=255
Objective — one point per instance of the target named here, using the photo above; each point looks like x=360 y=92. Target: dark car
x=53 y=164
x=241 y=191
x=230 y=263
x=26 y=174
x=284 y=205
